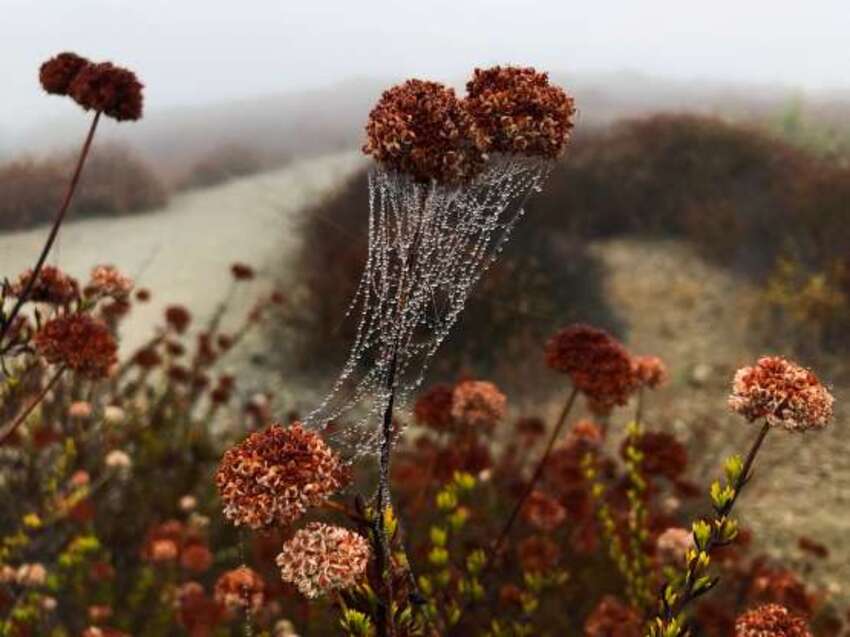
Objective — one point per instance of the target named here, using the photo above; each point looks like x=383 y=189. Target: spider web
x=429 y=244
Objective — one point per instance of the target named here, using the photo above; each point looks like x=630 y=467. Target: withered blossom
x=274 y=475
x=783 y=393
x=543 y=511
x=110 y=89
x=771 y=620
x=178 y=317
x=433 y=408
x=650 y=371
x=478 y=404
x=240 y=588
x=57 y=73
x=321 y=558
x=598 y=365
x=421 y=129
x=242 y=272
x=80 y=343
x=516 y=110
x=613 y=618
x=52 y=286
x=538 y=554
x=107 y=280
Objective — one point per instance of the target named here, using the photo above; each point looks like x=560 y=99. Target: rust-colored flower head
x=663 y=455
x=771 y=620
x=273 y=476
x=52 y=286
x=598 y=365
x=147 y=357
x=516 y=110
x=321 y=558
x=478 y=404
x=433 y=408
x=242 y=271
x=196 y=558
x=543 y=511
x=538 y=554
x=421 y=129
x=783 y=393
x=612 y=618
x=650 y=371
x=178 y=317
x=80 y=343
x=107 y=280
x=240 y=589
x=110 y=89
x=58 y=72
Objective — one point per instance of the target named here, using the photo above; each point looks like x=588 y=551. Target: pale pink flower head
x=783 y=393
x=275 y=475
x=478 y=404
x=673 y=544
x=321 y=558
x=771 y=620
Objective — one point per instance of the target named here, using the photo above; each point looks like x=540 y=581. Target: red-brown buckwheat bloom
x=612 y=618
x=478 y=404
x=79 y=342
x=538 y=554
x=783 y=393
x=543 y=511
x=58 y=72
x=650 y=371
x=178 y=317
x=321 y=558
x=421 y=129
x=240 y=588
x=107 y=280
x=273 y=476
x=770 y=620
x=110 y=89
x=598 y=365
x=52 y=286
x=242 y=271
x=516 y=110
x=433 y=408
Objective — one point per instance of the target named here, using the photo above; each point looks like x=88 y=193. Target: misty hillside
x=330 y=119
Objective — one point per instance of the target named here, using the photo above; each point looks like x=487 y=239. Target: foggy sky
x=195 y=51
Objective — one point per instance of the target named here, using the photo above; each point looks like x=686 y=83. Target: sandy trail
x=183 y=251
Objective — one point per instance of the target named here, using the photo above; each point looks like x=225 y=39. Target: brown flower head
x=147 y=357
x=783 y=393
x=538 y=554
x=320 y=558
x=196 y=558
x=421 y=129
x=58 y=72
x=196 y=611
x=178 y=317
x=612 y=618
x=275 y=475
x=79 y=342
x=110 y=89
x=478 y=404
x=433 y=408
x=663 y=455
x=52 y=286
x=771 y=620
x=650 y=371
x=598 y=365
x=516 y=110
x=242 y=271
x=107 y=280
x=543 y=511
x=240 y=588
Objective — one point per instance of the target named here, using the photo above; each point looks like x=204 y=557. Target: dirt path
x=182 y=252
x=693 y=314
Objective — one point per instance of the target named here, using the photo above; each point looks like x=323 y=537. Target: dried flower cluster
x=103 y=87
x=771 y=620
x=598 y=365
x=612 y=618
x=649 y=371
x=274 y=475
x=516 y=110
x=783 y=393
x=80 y=343
x=478 y=403
x=52 y=286
x=321 y=558
x=433 y=408
x=240 y=588
x=420 y=128
x=108 y=281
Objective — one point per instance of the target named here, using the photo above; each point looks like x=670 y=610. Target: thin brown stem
x=35 y=402
x=54 y=231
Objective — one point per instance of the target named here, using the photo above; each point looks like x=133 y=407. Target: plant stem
x=26 y=412
x=54 y=231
